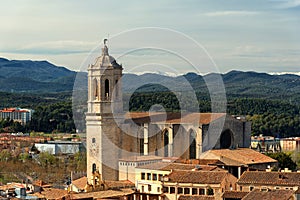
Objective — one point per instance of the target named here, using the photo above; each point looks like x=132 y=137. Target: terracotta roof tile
x=39 y=183
x=270 y=178
x=196 y=197
x=174 y=118
x=203 y=177
x=234 y=194
x=166 y=166
x=52 y=193
x=270 y=195
x=80 y=183
x=241 y=156
x=210 y=162
x=119 y=184
x=102 y=194
x=140 y=158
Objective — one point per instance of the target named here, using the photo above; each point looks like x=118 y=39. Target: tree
x=46 y=159
x=24 y=157
x=5 y=155
x=284 y=160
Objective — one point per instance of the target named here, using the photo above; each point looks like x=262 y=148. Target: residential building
x=236 y=161
x=149 y=178
x=290 y=144
x=21 y=115
x=60 y=147
x=265 y=144
x=78 y=185
x=127 y=166
x=198 y=184
x=264 y=181
x=271 y=195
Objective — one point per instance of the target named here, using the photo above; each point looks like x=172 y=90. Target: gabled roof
x=41 y=183
x=80 y=183
x=270 y=195
x=174 y=118
x=270 y=178
x=201 y=177
x=241 y=156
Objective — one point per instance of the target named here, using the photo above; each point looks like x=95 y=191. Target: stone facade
x=113 y=134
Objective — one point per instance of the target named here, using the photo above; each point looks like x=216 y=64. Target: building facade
x=60 y=147
x=265 y=181
x=17 y=114
x=113 y=134
x=290 y=144
x=198 y=184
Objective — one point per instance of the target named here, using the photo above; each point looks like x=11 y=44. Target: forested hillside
x=271 y=102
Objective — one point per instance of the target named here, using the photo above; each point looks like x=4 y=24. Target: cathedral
x=113 y=134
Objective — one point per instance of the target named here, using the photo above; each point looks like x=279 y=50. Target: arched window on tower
x=117 y=89
x=192 y=143
x=95 y=88
x=166 y=143
x=94 y=168
x=106 y=89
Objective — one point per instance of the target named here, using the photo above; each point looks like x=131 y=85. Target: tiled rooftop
x=102 y=194
x=270 y=195
x=166 y=166
x=174 y=118
x=202 y=177
x=270 y=178
x=80 y=183
x=241 y=156
x=195 y=197
x=51 y=193
x=119 y=184
x=234 y=194
x=140 y=158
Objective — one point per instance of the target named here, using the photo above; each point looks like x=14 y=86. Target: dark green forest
x=53 y=112
x=270 y=102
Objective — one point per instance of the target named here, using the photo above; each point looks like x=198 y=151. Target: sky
x=170 y=36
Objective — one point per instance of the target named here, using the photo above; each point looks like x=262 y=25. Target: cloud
x=285 y=4
x=54 y=48
x=231 y=13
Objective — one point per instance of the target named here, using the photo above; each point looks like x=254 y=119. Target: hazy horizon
x=256 y=35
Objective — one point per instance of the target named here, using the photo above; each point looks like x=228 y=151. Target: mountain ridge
x=43 y=76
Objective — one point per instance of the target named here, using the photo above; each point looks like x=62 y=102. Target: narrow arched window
x=95 y=88
x=106 y=87
x=94 y=168
x=192 y=143
x=93 y=140
x=166 y=143
x=117 y=89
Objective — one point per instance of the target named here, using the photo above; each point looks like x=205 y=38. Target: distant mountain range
x=44 y=77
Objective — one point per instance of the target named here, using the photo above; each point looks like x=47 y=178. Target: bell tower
x=104 y=105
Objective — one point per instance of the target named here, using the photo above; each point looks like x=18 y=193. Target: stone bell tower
x=104 y=104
